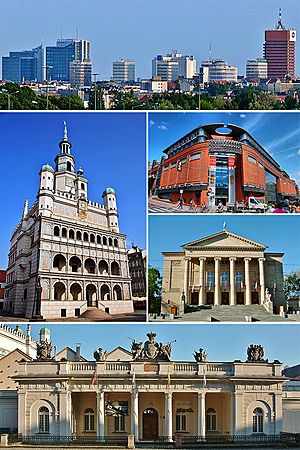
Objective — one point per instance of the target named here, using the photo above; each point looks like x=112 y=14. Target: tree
x=291 y=283
x=154 y=290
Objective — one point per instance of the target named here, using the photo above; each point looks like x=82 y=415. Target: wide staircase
x=237 y=313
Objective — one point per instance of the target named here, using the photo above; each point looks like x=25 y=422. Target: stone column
x=135 y=413
x=101 y=413
x=168 y=415
x=64 y=413
x=232 y=281
x=186 y=280
x=201 y=281
x=261 y=279
x=247 y=281
x=217 y=296
x=201 y=414
x=22 y=412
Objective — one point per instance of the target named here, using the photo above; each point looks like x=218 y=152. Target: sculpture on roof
x=44 y=350
x=201 y=355
x=151 y=349
x=100 y=354
x=255 y=353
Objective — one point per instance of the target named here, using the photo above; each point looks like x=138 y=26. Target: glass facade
x=271 y=189
x=23 y=66
x=222 y=177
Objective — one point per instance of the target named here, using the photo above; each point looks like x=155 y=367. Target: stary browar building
x=67 y=254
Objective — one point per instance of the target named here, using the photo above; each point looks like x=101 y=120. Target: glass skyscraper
x=26 y=65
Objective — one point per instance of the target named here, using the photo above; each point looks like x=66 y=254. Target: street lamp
x=95 y=90
x=46 y=73
x=4 y=91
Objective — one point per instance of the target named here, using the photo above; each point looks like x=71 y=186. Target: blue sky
x=141 y=29
x=278 y=133
x=219 y=340
x=109 y=146
x=280 y=234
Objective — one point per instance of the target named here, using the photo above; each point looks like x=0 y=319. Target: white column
x=232 y=281
x=186 y=280
x=168 y=415
x=135 y=413
x=217 y=296
x=100 y=413
x=247 y=281
x=261 y=279
x=64 y=414
x=201 y=281
x=201 y=414
x=22 y=412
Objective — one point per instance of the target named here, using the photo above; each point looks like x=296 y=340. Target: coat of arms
x=151 y=347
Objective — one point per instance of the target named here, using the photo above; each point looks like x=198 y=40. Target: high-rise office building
x=69 y=61
x=173 y=65
x=280 y=51
x=219 y=70
x=123 y=70
x=257 y=68
x=26 y=65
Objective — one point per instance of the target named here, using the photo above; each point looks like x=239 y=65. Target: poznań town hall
x=67 y=254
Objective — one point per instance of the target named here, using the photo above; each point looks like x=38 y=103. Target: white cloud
x=298 y=152
x=162 y=127
x=151 y=123
x=291 y=155
x=242 y=116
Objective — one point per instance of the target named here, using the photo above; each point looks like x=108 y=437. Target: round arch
x=75 y=264
x=90 y=265
x=117 y=292
x=59 y=262
x=59 y=291
x=265 y=418
x=91 y=295
x=115 y=268
x=103 y=267
x=150 y=424
x=76 y=292
x=105 y=292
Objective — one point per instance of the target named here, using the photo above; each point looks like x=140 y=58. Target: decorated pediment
x=225 y=240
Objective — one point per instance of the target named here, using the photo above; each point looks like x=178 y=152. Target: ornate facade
x=67 y=254
x=222 y=269
x=147 y=394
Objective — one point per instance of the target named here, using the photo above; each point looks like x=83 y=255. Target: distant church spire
x=279 y=25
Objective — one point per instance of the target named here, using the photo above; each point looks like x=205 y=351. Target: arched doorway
x=91 y=295
x=75 y=292
x=59 y=291
x=150 y=424
x=105 y=293
x=117 y=291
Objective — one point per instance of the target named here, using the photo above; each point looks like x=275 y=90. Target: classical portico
x=221 y=269
x=146 y=394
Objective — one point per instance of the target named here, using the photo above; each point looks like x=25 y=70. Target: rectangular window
x=224 y=279
x=238 y=279
x=251 y=159
x=180 y=422
x=210 y=279
x=119 y=423
x=166 y=167
x=195 y=156
x=183 y=160
x=173 y=164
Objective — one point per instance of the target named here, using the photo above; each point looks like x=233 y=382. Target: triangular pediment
x=224 y=239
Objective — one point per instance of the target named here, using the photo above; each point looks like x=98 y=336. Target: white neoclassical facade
x=222 y=269
x=67 y=254
x=146 y=394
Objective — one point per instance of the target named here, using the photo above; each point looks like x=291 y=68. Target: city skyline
x=132 y=42
x=94 y=140
x=188 y=338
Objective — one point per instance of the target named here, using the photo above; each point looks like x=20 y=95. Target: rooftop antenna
x=279 y=25
x=77 y=33
x=61 y=34
x=210 y=52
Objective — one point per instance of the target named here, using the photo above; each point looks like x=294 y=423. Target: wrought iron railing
x=40 y=439
x=255 y=439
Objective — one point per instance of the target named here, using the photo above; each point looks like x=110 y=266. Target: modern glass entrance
x=222 y=180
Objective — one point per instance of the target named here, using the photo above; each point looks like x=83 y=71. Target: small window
x=195 y=156
x=166 y=167
x=98 y=239
x=258 y=420
x=56 y=231
x=104 y=240
x=110 y=242
x=89 y=420
x=180 y=422
x=64 y=232
x=119 y=423
x=63 y=312
x=183 y=160
x=173 y=164
x=83 y=186
x=85 y=237
x=71 y=234
x=211 y=420
x=78 y=236
x=251 y=159
x=77 y=312
x=44 y=420
x=92 y=238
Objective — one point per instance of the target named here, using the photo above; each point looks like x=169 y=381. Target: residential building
x=137 y=271
x=218 y=71
x=222 y=269
x=123 y=71
x=280 y=51
x=209 y=166
x=173 y=66
x=257 y=68
x=26 y=65
x=67 y=254
x=146 y=393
